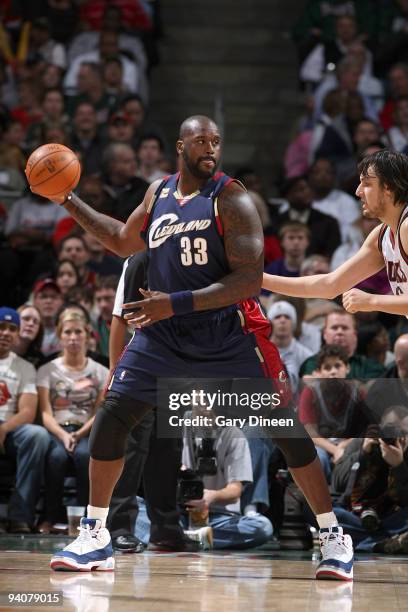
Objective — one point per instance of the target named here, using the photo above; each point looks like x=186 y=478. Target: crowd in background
x=77 y=73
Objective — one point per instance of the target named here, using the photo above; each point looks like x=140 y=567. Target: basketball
x=53 y=170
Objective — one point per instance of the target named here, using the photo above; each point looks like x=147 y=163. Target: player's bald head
x=195 y=125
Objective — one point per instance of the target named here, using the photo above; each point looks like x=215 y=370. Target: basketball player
x=199 y=319
x=383 y=192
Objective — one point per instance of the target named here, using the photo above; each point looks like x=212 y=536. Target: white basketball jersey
x=396 y=260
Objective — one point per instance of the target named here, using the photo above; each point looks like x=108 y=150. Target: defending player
x=199 y=319
x=383 y=191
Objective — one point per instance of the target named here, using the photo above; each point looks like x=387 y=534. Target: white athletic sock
x=326 y=520
x=94 y=512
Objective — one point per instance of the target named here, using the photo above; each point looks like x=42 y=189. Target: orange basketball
x=53 y=170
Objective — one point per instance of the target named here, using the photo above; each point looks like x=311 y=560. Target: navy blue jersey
x=184 y=237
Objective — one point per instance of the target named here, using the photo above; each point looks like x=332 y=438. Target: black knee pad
x=117 y=416
x=294 y=441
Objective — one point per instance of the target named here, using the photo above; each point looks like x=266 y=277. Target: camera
x=190 y=484
x=390 y=434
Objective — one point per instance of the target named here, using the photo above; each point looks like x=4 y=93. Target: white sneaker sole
x=66 y=564
x=333 y=573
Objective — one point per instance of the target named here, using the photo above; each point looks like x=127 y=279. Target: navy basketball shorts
x=228 y=343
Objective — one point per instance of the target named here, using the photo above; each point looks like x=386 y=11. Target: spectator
x=100 y=261
x=294 y=239
x=330 y=137
x=76 y=250
x=318 y=19
x=51 y=77
x=133 y=106
x=374 y=343
x=283 y=318
x=124 y=190
x=29 y=227
x=328 y=199
x=12 y=181
x=222 y=492
x=149 y=153
x=47 y=298
x=324 y=229
x=112 y=72
x=120 y=129
x=26 y=443
x=67 y=276
x=42 y=47
x=108 y=46
x=327 y=54
x=392 y=34
x=91 y=89
x=29 y=108
x=340 y=329
x=70 y=389
x=30 y=336
x=370 y=482
x=53 y=106
x=332 y=411
x=391 y=391
x=398 y=133
x=85 y=138
x=348 y=79
x=105 y=291
x=398 y=86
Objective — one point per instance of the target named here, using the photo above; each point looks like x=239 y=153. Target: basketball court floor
x=250 y=581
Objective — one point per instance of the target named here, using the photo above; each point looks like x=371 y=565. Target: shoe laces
x=332 y=544
x=85 y=534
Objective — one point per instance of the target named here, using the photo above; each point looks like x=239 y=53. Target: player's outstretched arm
x=120 y=238
x=243 y=240
x=356 y=300
x=366 y=262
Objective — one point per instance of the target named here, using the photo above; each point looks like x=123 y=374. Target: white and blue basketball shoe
x=337 y=555
x=92 y=550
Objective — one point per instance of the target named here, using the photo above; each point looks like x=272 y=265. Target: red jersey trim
x=401 y=248
x=381 y=236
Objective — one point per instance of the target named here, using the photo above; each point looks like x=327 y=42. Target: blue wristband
x=182 y=302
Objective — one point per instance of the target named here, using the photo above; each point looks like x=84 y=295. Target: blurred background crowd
x=79 y=72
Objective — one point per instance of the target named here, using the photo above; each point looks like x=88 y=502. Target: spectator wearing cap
x=284 y=319
x=26 y=443
x=149 y=154
x=120 y=128
x=324 y=229
x=124 y=190
x=47 y=297
x=86 y=139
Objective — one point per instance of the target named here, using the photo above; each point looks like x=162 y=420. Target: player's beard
x=194 y=168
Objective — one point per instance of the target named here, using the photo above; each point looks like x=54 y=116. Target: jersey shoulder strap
x=148 y=214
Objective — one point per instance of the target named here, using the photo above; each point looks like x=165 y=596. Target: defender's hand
x=155 y=307
x=355 y=300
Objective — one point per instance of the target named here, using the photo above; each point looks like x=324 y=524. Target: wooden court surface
x=253 y=581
